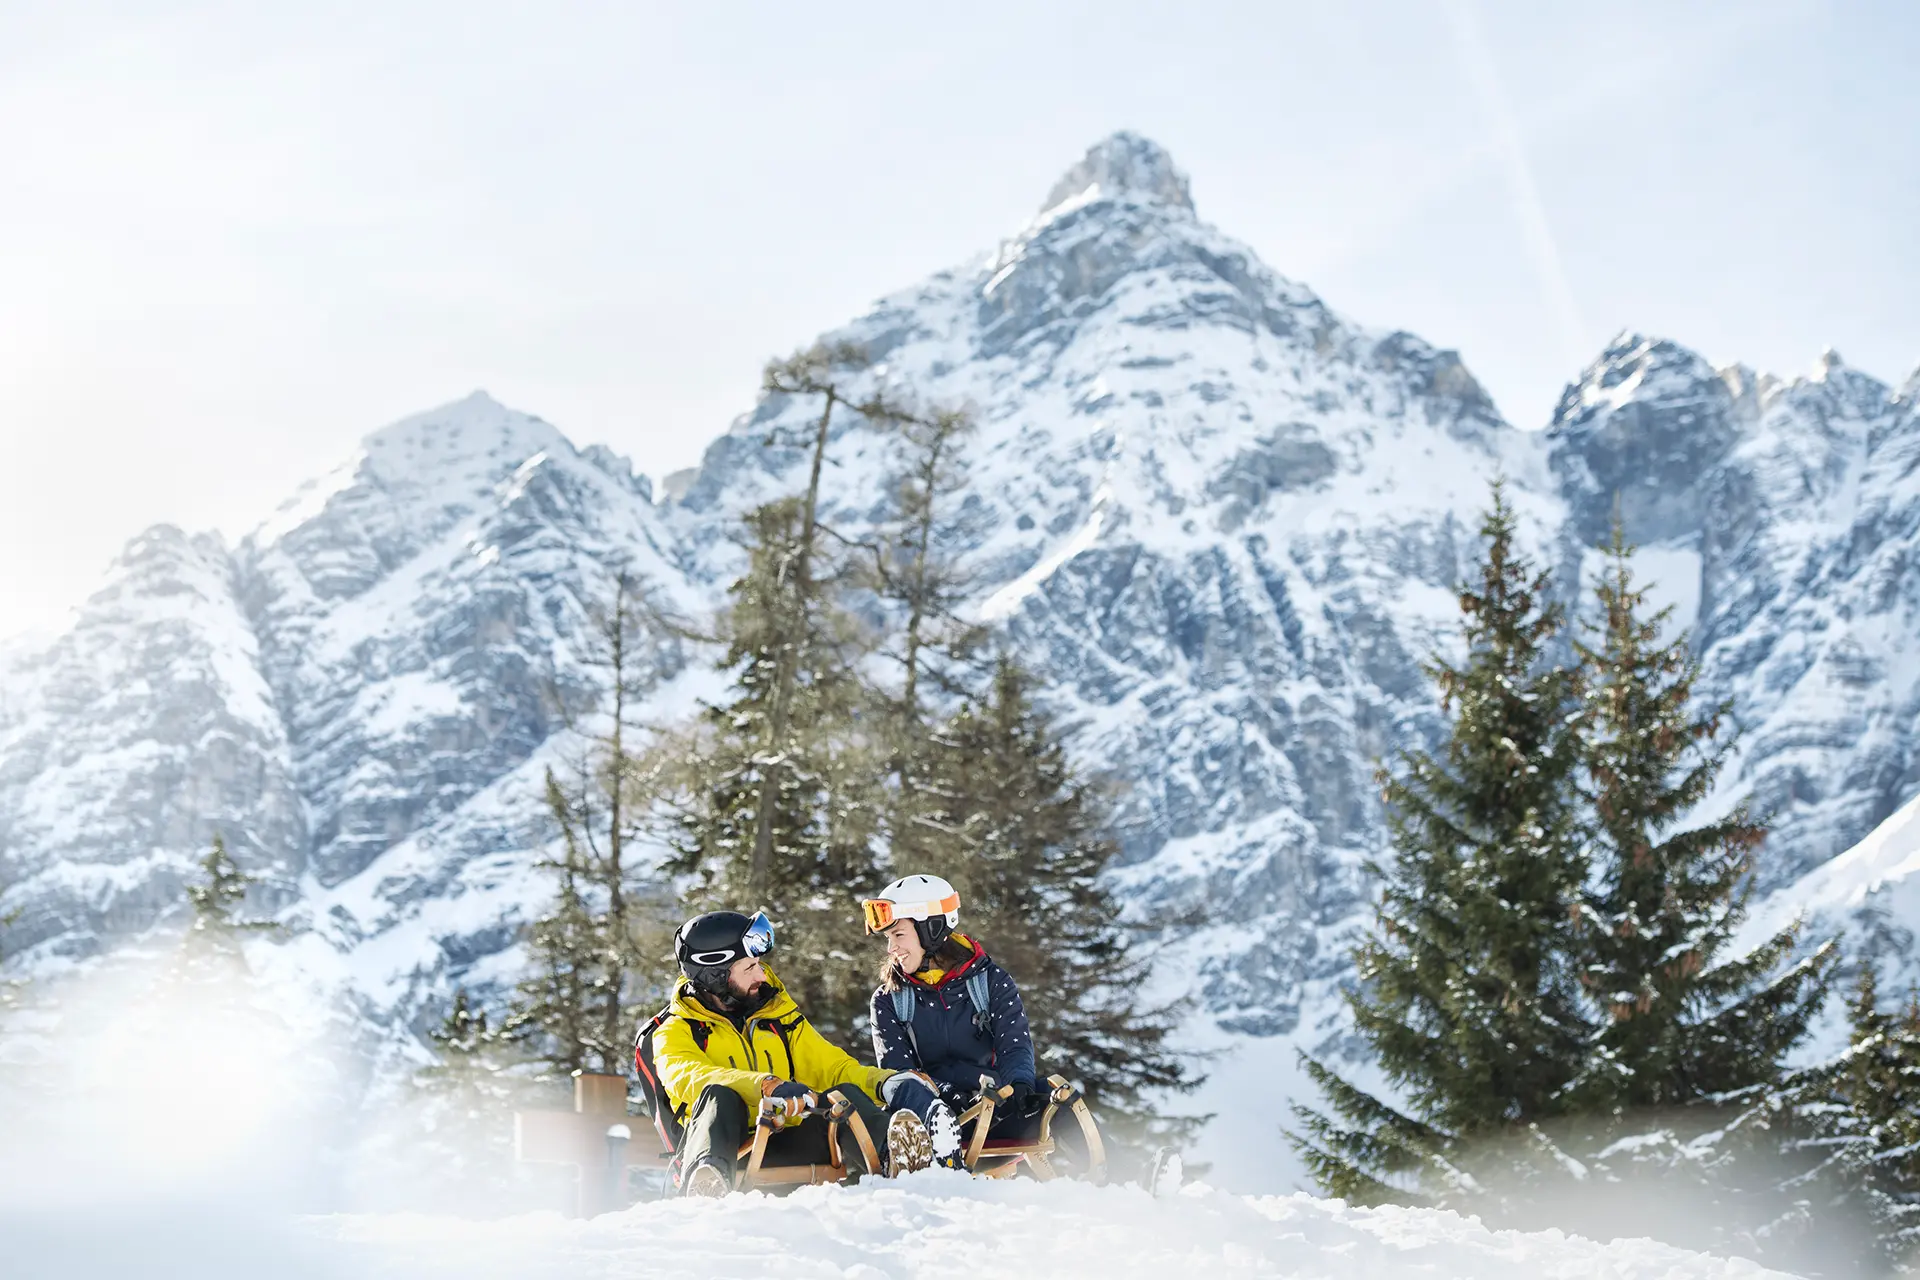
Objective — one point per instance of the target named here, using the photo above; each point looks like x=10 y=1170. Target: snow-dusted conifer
x=1855 y=1122
x=558 y=1008
x=600 y=947
x=1683 y=1015
x=1467 y=993
x=217 y=900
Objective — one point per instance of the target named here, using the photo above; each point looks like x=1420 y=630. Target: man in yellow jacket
x=735 y=1036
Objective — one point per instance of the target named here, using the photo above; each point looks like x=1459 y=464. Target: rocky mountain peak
x=1123 y=166
x=1635 y=367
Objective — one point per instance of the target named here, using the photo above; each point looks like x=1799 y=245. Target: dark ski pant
x=719 y=1125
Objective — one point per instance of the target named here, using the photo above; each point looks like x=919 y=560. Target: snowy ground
x=942 y=1225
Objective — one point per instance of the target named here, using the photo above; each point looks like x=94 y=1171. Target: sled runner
x=990 y=1157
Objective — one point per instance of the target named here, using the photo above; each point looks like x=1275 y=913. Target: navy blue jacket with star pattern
x=946 y=1043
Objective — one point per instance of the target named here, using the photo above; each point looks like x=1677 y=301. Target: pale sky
x=234 y=238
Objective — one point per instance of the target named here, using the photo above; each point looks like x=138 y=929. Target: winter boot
x=943 y=1135
x=706 y=1181
x=908 y=1148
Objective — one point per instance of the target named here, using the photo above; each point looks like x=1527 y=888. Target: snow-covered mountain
x=1222 y=517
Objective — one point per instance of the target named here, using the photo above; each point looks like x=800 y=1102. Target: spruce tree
x=1467 y=993
x=1023 y=841
x=1685 y=1016
x=463 y=1103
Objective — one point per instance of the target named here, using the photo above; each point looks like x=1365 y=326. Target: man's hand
x=792 y=1100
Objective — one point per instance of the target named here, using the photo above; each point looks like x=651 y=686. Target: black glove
x=789 y=1089
x=1019 y=1101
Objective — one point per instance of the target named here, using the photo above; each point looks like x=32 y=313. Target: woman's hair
x=948 y=955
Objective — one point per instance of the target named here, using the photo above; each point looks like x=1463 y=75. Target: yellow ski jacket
x=698 y=1047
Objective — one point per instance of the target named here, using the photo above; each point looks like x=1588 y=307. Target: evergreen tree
x=600 y=946
x=472 y=1071
x=460 y=1149
x=1684 y=1018
x=218 y=927
x=915 y=574
x=1467 y=994
x=558 y=1008
x=10 y=988
x=1023 y=841
x=1860 y=1114
x=793 y=611
x=796 y=765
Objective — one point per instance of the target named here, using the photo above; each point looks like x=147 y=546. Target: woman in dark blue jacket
x=944 y=1009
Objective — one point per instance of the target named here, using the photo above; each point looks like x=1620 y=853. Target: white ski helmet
x=930 y=902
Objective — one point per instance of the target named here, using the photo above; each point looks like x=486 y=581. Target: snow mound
x=940 y=1224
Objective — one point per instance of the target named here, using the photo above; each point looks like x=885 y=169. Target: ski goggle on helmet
x=912 y=898
x=755 y=940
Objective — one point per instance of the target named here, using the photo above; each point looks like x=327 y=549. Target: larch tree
x=787 y=757
x=935 y=645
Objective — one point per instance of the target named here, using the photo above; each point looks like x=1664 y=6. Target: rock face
x=1789 y=512
x=1223 y=519
x=133 y=738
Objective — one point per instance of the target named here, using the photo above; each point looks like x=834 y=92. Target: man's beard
x=733 y=1002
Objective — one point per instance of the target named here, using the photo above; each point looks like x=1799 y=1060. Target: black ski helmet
x=708 y=945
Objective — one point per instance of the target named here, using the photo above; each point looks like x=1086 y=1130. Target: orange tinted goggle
x=880 y=912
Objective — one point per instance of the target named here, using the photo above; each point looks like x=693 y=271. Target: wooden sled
x=842 y=1120
x=1004 y=1157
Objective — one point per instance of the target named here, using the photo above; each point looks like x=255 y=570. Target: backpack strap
x=981 y=993
x=664 y=1120
x=903 y=1009
x=784 y=1030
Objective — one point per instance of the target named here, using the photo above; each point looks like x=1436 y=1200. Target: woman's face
x=903 y=944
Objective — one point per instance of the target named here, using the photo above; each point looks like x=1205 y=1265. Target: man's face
x=903 y=944
x=746 y=975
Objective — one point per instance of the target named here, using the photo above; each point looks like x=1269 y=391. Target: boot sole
x=909 y=1149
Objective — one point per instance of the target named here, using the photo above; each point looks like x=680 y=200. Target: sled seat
x=1004 y=1157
